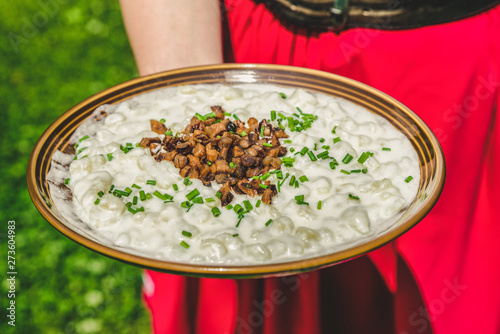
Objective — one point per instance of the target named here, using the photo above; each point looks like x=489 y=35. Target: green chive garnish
x=184 y=244
x=83 y=138
x=100 y=193
x=162 y=120
x=243 y=133
x=151 y=182
x=364 y=156
x=386 y=149
x=198 y=200
x=273 y=115
x=312 y=156
x=351 y=196
x=187 y=182
x=209 y=200
x=216 y=212
x=110 y=156
x=176 y=188
x=333 y=164
x=238 y=209
x=142 y=195
x=323 y=155
x=345 y=172
x=159 y=195
x=169 y=133
x=187 y=234
x=320 y=204
x=267 y=144
x=336 y=140
x=263 y=186
x=334 y=129
x=303 y=178
x=269 y=222
x=218 y=194
x=66 y=181
x=136 y=186
x=97 y=201
x=283 y=96
x=193 y=194
x=408 y=179
x=347 y=158
x=248 y=205
x=258 y=203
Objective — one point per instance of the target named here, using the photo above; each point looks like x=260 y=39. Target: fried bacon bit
x=214 y=150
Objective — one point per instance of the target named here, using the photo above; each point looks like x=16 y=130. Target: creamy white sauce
x=296 y=231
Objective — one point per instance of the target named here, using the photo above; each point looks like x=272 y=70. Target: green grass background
x=54 y=54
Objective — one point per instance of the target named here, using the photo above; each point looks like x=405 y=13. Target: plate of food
x=236 y=171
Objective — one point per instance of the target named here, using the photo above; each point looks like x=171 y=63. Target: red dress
x=443 y=275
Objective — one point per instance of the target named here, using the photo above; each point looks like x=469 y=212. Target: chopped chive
x=347 y=158
x=176 y=188
x=267 y=144
x=265 y=176
x=287 y=141
x=296 y=115
x=239 y=221
x=149 y=196
x=83 y=138
x=186 y=205
x=141 y=209
x=333 y=164
x=298 y=109
x=134 y=201
x=303 y=179
x=121 y=192
x=187 y=234
x=112 y=187
x=192 y=194
x=216 y=212
x=408 y=179
x=315 y=146
x=300 y=200
x=304 y=151
x=110 y=156
x=200 y=117
x=351 y=196
x=334 y=129
x=97 y=201
x=262 y=128
x=238 y=209
x=235 y=235
x=322 y=140
x=283 y=96
x=258 y=203
x=81 y=150
x=292 y=181
x=229 y=206
x=263 y=186
x=227 y=114
x=320 y=204
x=312 y=156
x=136 y=186
x=296 y=185
x=269 y=222
x=162 y=120
x=184 y=244
x=151 y=182
x=364 y=170
x=218 y=194
x=209 y=200
x=142 y=195
x=187 y=182
x=168 y=133
x=356 y=171
x=325 y=147
x=131 y=209
x=198 y=200
x=386 y=149
x=364 y=156
x=248 y=205
x=291 y=123
x=129 y=204
x=243 y=133
x=128 y=190
x=345 y=172
x=336 y=140
x=281 y=115
x=323 y=155
x=159 y=195
x=273 y=115
x=235 y=116
x=66 y=181
x=100 y=193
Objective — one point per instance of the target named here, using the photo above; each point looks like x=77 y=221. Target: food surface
x=242 y=174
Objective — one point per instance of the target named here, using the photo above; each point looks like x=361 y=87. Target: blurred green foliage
x=54 y=54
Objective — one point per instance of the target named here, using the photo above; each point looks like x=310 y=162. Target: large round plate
x=56 y=137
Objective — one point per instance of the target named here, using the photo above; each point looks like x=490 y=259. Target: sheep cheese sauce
x=346 y=175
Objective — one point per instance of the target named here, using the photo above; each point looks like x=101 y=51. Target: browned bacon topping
x=214 y=149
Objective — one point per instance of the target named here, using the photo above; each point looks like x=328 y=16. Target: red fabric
x=449 y=75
